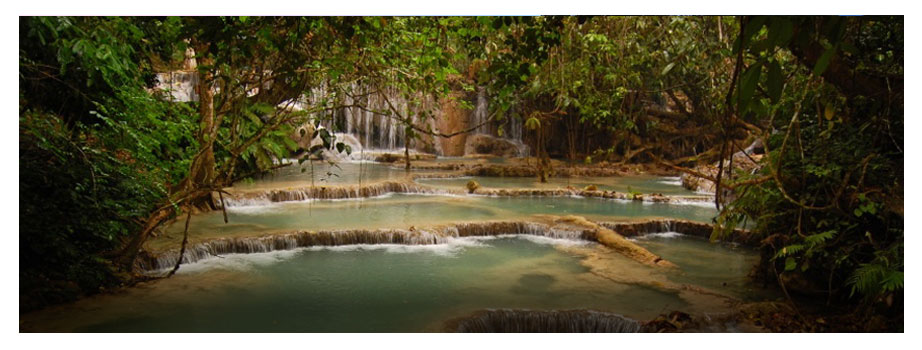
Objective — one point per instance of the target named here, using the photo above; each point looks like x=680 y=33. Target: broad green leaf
x=780 y=31
x=823 y=62
x=775 y=81
x=748 y=86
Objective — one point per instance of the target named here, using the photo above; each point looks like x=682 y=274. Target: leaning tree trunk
x=202 y=169
x=201 y=172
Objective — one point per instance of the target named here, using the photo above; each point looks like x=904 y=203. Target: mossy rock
x=387 y=158
x=472 y=186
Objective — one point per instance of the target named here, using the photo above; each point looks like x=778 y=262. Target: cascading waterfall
x=428 y=236
x=685 y=227
x=532 y=321
x=287 y=241
x=263 y=197
x=512 y=132
x=481 y=112
x=380 y=132
x=515 y=129
x=327 y=192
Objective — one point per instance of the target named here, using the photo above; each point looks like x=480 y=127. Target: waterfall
x=515 y=128
x=532 y=321
x=685 y=227
x=252 y=198
x=154 y=262
x=263 y=197
x=287 y=241
x=481 y=112
x=179 y=85
x=376 y=131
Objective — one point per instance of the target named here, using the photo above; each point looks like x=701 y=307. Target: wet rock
x=387 y=158
x=486 y=144
x=501 y=170
x=675 y=321
x=533 y=321
x=472 y=186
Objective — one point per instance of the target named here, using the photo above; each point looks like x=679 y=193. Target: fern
x=882 y=275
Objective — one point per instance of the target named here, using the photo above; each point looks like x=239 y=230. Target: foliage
x=110 y=157
x=97 y=150
x=832 y=210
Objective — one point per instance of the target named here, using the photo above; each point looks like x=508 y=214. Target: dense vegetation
x=108 y=159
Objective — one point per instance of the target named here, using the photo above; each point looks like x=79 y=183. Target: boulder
x=472 y=186
x=486 y=144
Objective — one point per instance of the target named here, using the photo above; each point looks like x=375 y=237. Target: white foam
x=260 y=208
x=453 y=247
x=534 y=239
x=244 y=262
x=551 y=241
x=444 y=178
x=697 y=203
x=660 y=235
x=671 y=180
x=241 y=262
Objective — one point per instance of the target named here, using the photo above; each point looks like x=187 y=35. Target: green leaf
x=748 y=86
x=532 y=123
x=823 y=62
x=790 y=264
x=668 y=68
x=780 y=31
x=775 y=81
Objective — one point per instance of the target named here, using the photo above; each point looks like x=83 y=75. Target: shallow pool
x=389 y=288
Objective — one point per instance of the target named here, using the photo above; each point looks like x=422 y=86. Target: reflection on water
x=358 y=289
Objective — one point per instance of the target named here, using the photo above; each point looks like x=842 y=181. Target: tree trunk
x=406 y=151
x=129 y=254
x=202 y=169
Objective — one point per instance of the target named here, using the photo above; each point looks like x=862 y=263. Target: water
x=715 y=266
x=405 y=210
x=389 y=288
x=324 y=174
x=397 y=288
x=637 y=183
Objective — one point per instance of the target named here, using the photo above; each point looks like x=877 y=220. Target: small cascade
x=526 y=228
x=685 y=227
x=533 y=321
x=515 y=131
x=288 y=241
x=481 y=112
x=428 y=236
x=328 y=192
x=264 y=197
